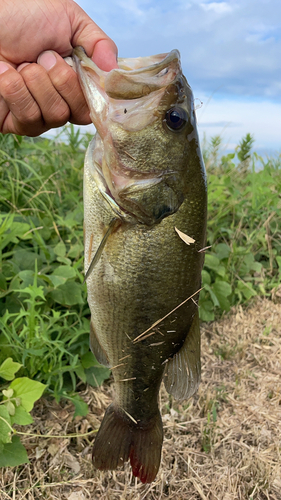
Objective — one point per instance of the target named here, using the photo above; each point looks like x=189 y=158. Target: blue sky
x=231 y=56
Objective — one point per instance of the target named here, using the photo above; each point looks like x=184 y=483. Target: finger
x=4 y=110
x=54 y=110
x=96 y=43
x=19 y=113
x=105 y=55
x=65 y=82
x=22 y=65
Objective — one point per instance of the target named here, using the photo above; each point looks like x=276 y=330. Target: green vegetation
x=244 y=228
x=17 y=402
x=44 y=316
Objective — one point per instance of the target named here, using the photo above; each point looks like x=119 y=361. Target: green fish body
x=143 y=177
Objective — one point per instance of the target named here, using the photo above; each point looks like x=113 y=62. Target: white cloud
x=217 y=7
x=133 y=7
x=230 y=49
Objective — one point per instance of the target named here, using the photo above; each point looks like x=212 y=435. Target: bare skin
x=38 y=89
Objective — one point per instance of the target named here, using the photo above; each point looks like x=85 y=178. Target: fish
x=144 y=188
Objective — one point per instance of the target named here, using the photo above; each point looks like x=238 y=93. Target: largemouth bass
x=143 y=177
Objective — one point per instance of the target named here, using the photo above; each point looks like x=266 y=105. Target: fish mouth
x=135 y=77
x=115 y=95
x=124 y=101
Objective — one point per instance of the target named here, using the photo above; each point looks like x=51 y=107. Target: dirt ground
x=224 y=444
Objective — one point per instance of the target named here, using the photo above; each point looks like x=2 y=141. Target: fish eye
x=176 y=118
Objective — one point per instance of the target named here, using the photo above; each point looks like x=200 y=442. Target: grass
x=223 y=444
x=43 y=306
x=244 y=228
x=44 y=315
x=44 y=330
x=42 y=219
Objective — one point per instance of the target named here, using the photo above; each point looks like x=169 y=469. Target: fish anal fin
x=183 y=370
x=96 y=348
x=120 y=439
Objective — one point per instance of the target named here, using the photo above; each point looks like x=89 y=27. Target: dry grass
x=224 y=444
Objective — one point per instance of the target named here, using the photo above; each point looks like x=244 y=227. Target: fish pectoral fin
x=120 y=439
x=97 y=256
x=97 y=349
x=183 y=370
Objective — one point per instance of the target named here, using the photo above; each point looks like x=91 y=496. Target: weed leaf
x=5 y=423
x=28 y=391
x=13 y=454
x=9 y=368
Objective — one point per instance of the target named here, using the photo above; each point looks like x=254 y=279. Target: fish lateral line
x=97 y=256
x=143 y=335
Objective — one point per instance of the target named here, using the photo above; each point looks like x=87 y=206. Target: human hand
x=38 y=89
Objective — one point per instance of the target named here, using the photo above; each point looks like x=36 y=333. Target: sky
x=230 y=53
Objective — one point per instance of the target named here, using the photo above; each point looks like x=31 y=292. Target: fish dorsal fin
x=182 y=374
x=96 y=348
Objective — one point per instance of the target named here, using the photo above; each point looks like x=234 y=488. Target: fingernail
x=21 y=66
x=3 y=67
x=47 y=60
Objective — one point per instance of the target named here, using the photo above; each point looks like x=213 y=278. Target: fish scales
x=143 y=177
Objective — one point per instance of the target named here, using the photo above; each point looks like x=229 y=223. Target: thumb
x=92 y=38
x=105 y=54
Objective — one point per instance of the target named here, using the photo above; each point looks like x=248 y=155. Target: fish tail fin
x=113 y=442
x=120 y=439
x=145 y=454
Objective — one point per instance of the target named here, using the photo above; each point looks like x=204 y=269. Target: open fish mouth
x=135 y=77
x=134 y=109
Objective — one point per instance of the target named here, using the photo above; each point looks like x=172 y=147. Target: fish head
x=147 y=147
